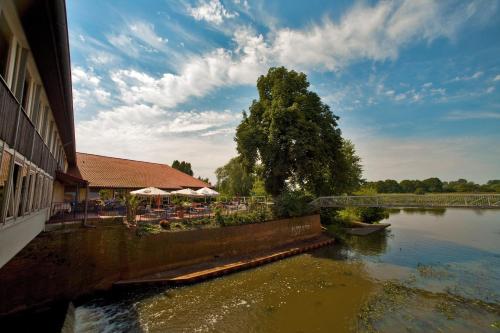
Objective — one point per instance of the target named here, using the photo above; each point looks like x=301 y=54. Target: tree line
x=431 y=185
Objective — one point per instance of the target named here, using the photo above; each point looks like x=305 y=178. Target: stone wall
x=66 y=264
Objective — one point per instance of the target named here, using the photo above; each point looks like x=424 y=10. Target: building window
x=49 y=135
x=39 y=191
x=26 y=93
x=18 y=79
x=33 y=186
x=15 y=188
x=35 y=105
x=25 y=198
x=5 y=161
x=45 y=123
x=5 y=41
x=21 y=190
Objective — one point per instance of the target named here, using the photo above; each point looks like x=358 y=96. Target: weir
x=410 y=201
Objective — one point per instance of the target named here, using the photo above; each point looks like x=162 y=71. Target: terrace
x=190 y=211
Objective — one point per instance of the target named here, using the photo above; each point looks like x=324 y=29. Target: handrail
x=49 y=164
x=438 y=200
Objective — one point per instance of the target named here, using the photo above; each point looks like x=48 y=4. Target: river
x=432 y=270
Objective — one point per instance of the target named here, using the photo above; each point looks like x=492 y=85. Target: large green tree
x=295 y=138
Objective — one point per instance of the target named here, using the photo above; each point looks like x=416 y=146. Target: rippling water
x=432 y=270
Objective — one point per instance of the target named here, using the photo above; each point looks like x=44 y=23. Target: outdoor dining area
x=156 y=204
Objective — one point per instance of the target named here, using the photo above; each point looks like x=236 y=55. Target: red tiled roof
x=112 y=172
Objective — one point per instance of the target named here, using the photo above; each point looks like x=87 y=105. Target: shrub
x=177 y=225
x=372 y=214
x=329 y=216
x=219 y=219
x=292 y=204
x=245 y=218
x=165 y=224
x=131 y=202
x=344 y=217
x=148 y=229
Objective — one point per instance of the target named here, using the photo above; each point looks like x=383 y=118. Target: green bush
x=292 y=204
x=148 y=229
x=372 y=214
x=344 y=217
x=245 y=218
x=219 y=219
x=330 y=216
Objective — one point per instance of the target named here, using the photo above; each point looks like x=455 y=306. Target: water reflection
x=370 y=245
x=421 y=211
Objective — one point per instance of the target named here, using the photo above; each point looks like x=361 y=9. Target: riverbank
x=66 y=264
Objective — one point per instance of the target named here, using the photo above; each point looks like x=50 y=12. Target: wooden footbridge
x=411 y=200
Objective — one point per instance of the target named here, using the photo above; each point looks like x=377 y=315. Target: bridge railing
x=411 y=200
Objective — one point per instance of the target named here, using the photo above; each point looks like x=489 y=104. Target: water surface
x=431 y=271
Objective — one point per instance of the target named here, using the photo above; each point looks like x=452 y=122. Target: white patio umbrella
x=151 y=192
x=207 y=192
x=186 y=192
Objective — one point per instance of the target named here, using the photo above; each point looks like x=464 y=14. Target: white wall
x=15 y=236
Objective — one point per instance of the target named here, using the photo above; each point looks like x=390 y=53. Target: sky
x=416 y=84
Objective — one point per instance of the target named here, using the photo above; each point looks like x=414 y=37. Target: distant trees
x=205 y=179
x=431 y=185
x=183 y=167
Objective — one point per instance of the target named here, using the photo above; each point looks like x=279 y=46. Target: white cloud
x=153 y=134
x=137 y=37
x=125 y=44
x=497 y=78
x=101 y=58
x=474 y=76
x=477 y=75
x=87 y=88
x=367 y=32
x=212 y=11
x=489 y=90
x=244 y=3
x=386 y=28
x=400 y=97
x=467 y=115
x=146 y=33
x=197 y=77
x=427 y=85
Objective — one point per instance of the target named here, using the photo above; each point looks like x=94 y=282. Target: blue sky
x=416 y=83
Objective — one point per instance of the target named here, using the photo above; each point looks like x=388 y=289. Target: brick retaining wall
x=64 y=265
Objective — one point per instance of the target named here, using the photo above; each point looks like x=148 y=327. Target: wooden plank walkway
x=217 y=269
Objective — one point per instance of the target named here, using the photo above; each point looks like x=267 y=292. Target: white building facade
x=36 y=117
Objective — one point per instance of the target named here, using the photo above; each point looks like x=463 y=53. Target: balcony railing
x=21 y=133
x=8 y=111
